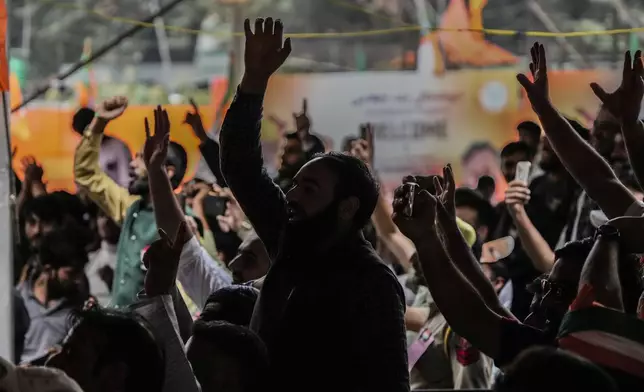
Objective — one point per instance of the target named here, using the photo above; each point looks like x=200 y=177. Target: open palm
x=537 y=89
x=625 y=102
x=265 y=49
x=155 y=150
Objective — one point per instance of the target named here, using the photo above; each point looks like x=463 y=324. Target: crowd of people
x=313 y=280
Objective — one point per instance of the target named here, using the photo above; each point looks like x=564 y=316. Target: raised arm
x=242 y=163
x=535 y=246
x=107 y=194
x=401 y=247
x=624 y=104
x=600 y=271
x=460 y=303
x=208 y=147
x=585 y=164
x=458 y=249
x=197 y=272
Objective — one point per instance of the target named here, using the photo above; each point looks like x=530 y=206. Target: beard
x=305 y=233
x=139 y=186
x=551 y=165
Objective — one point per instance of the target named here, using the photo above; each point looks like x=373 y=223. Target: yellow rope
x=364 y=33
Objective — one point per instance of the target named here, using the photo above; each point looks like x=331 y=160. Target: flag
x=87 y=88
x=476 y=14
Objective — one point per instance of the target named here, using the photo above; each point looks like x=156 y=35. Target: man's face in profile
x=138 y=176
x=313 y=191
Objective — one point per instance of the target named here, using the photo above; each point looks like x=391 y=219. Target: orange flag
x=4 y=59
x=476 y=13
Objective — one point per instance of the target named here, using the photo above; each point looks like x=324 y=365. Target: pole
x=101 y=52
x=7 y=198
x=164 y=46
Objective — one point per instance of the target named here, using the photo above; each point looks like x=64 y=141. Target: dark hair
x=46 y=207
x=540 y=368
x=81 y=120
x=178 y=158
x=629 y=269
x=515 y=148
x=531 y=128
x=236 y=304
x=292 y=136
x=242 y=346
x=485 y=182
x=475 y=148
x=577 y=250
x=61 y=248
x=466 y=197
x=354 y=179
x=130 y=341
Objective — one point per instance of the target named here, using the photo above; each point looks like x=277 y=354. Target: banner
x=421 y=120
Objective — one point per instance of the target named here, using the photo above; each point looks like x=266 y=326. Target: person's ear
x=113 y=377
x=170 y=169
x=349 y=208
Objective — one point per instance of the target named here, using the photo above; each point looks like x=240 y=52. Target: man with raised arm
x=327 y=294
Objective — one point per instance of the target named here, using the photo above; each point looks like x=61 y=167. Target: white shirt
x=199 y=274
x=114 y=159
x=104 y=256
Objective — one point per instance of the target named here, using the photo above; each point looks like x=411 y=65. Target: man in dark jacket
x=330 y=312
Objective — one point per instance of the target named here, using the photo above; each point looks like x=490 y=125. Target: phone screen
x=214 y=206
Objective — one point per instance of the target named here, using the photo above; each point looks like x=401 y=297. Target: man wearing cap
x=129 y=207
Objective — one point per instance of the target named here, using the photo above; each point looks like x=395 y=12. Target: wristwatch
x=608 y=232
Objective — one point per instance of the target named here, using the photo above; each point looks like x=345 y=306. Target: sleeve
x=635 y=209
x=160 y=313
x=380 y=335
x=210 y=153
x=113 y=199
x=199 y=274
x=516 y=337
x=471 y=369
x=242 y=166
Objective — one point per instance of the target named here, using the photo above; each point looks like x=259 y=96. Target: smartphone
x=366 y=133
x=410 y=188
x=496 y=250
x=523 y=171
x=214 y=206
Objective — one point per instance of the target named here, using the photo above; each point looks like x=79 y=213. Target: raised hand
x=363 y=148
x=423 y=217
x=162 y=262
x=155 y=149
x=265 y=52
x=302 y=121
x=33 y=171
x=111 y=108
x=516 y=197
x=537 y=89
x=193 y=118
x=445 y=192
x=625 y=102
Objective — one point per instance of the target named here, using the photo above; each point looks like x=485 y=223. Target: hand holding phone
x=523 y=171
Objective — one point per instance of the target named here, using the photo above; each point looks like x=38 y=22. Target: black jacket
x=332 y=320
